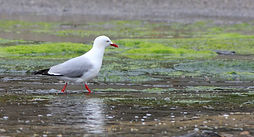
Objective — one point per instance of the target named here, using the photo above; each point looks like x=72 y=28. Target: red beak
x=114 y=45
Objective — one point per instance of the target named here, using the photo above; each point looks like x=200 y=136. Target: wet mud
x=34 y=106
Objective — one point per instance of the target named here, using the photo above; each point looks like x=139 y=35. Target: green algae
x=14 y=24
x=135 y=60
x=205 y=92
x=202 y=38
x=127 y=63
x=241 y=44
x=8 y=42
x=23 y=66
x=140 y=49
x=225 y=69
x=186 y=101
x=91 y=29
x=190 y=101
x=7 y=98
x=208 y=89
x=10 y=98
x=188 y=48
x=147 y=90
x=131 y=48
x=125 y=29
x=19 y=26
x=46 y=50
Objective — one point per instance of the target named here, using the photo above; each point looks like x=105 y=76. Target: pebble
x=245 y=133
x=148 y=115
x=5 y=117
x=2 y=130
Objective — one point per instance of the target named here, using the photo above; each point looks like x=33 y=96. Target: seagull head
x=104 y=41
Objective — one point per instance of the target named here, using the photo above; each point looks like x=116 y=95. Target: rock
x=224 y=52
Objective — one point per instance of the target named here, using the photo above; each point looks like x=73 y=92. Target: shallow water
x=100 y=114
x=40 y=109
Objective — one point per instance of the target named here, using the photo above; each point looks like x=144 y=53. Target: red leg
x=88 y=88
x=64 y=87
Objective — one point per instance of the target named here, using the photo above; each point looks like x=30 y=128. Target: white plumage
x=82 y=68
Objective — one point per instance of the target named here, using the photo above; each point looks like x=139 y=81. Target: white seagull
x=82 y=68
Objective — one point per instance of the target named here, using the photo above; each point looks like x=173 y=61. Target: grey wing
x=73 y=68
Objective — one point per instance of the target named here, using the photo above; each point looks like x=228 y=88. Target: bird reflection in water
x=81 y=113
x=93 y=111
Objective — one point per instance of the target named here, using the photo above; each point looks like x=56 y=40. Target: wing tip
x=42 y=72
x=45 y=72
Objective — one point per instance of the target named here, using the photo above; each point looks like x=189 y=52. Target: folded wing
x=73 y=68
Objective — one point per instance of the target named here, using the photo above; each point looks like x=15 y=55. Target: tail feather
x=42 y=72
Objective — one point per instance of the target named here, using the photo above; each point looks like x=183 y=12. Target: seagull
x=82 y=68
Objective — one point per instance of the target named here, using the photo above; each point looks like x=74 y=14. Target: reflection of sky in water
x=80 y=112
x=93 y=111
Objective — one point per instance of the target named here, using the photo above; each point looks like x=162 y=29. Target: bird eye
x=107 y=41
